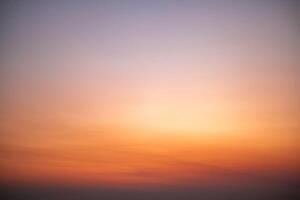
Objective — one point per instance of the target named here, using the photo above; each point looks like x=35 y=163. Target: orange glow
x=149 y=94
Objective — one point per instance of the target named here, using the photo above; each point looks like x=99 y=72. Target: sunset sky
x=126 y=94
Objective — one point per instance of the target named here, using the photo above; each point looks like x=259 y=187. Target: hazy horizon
x=195 y=96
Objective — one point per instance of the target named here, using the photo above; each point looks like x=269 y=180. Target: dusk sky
x=150 y=94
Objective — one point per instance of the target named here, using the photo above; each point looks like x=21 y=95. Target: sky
x=149 y=94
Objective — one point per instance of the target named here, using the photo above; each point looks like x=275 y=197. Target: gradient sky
x=151 y=93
